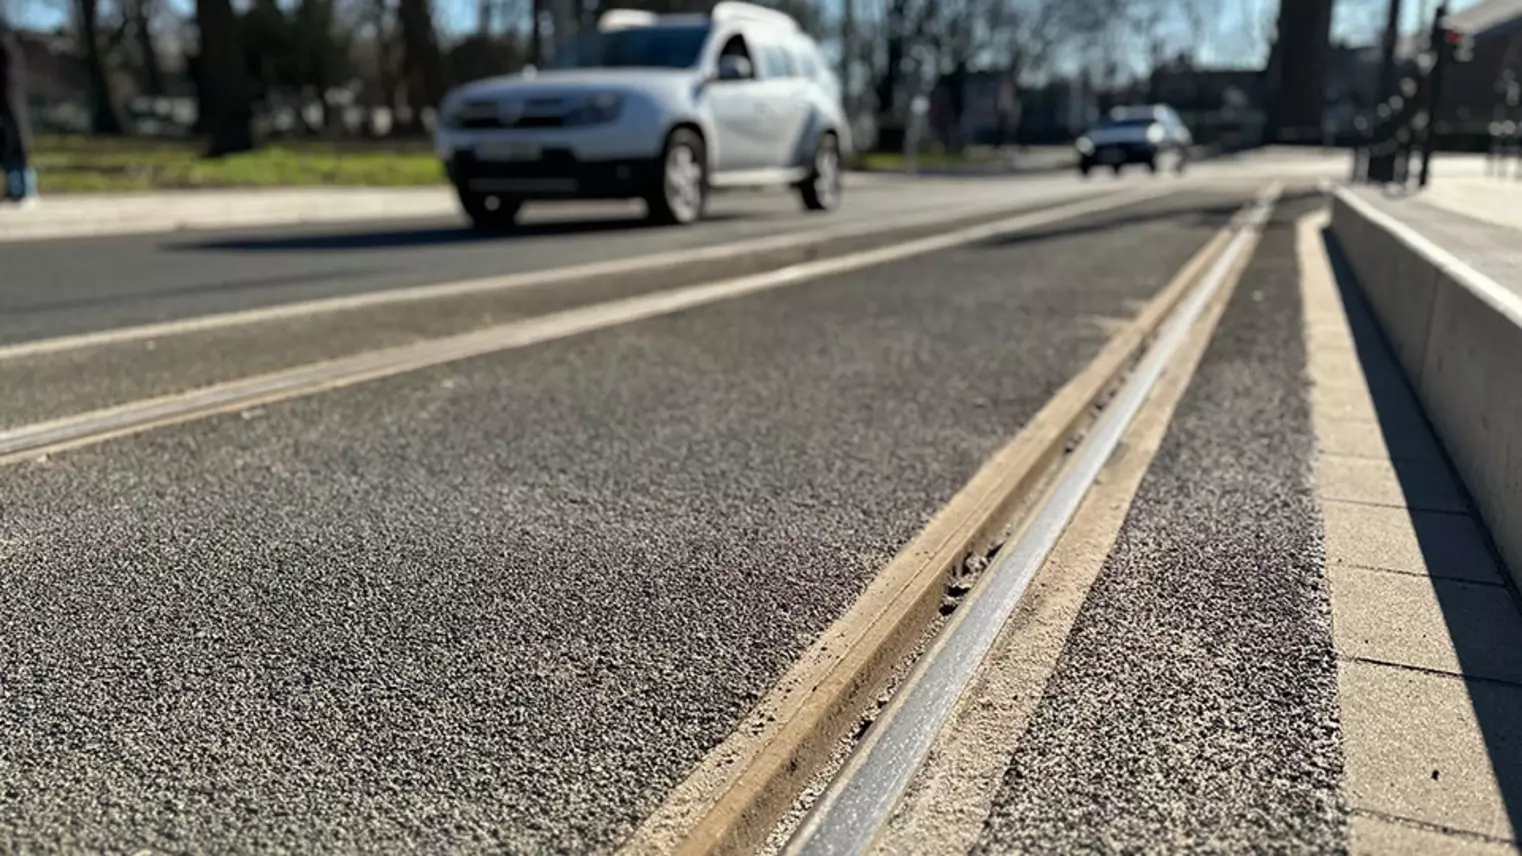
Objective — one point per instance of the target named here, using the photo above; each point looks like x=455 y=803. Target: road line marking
x=509 y=282
x=848 y=817
x=30 y=441
x=730 y=802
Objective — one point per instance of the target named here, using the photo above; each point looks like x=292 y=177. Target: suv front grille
x=486 y=123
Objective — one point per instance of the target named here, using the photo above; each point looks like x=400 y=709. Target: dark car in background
x=1152 y=136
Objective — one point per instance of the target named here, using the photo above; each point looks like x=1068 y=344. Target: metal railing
x=1505 y=149
x=1404 y=126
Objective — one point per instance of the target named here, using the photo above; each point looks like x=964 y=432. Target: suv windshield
x=1127 y=122
x=637 y=47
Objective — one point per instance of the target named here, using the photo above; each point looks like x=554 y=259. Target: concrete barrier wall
x=1458 y=335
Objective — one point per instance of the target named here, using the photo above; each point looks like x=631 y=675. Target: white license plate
x=508 y=151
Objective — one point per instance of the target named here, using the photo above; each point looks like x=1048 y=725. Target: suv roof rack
x=619 y=19
x=735 y=10
x=725 y=10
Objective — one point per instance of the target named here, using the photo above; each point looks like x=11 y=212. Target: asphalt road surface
x=53 y=288
x=61 y=287
x=58 y=377
x=506 y=603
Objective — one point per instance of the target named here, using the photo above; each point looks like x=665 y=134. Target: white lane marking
x=980 y=204
x=847 y=818
x=134 y=416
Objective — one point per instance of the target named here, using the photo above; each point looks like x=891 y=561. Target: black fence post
x=1437 y=46
x=1382 y=162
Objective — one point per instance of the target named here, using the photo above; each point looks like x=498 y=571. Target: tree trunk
x=847 y=49
x=421 y=60
x=887 y=85
x=386 y=77
x=313 y=37
x=896 y=27
x=195 y=70
x=105 y=113
x=153 y=71
x=224 y=79
x=385 y=57
x=536 y=33
x=956 y=103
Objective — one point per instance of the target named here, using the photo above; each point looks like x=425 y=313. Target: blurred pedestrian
x=15 y=130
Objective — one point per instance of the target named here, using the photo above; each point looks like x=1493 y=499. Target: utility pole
x=563 y=20
x=847 y=50
x=1437 y=45
x=1382 y=163
x=536 y=33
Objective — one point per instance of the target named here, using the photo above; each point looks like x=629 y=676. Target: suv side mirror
x=734 y=67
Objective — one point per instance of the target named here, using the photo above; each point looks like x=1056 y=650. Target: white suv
x=661 y=108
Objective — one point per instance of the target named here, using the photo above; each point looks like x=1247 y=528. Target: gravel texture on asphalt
x=503 y=605
x=1194 y=707
x=59 y=287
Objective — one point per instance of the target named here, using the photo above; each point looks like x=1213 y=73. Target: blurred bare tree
x=141 y=15
x=808 y=13
x=105 y=111
x=536 y=31
x=226 y=102
x=394 y=54
x=422 y=62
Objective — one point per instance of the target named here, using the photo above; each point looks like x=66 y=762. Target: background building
x=1476 y=93
x=1296 y=76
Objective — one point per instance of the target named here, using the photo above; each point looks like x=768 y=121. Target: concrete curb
x=85 y=215
x=1458 y=336
x=82 y=216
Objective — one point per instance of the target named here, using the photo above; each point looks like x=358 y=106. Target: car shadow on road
x=425 y=236
x=1473 y=611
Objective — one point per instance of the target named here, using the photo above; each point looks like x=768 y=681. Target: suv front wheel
x=821 y=190
x=488 y=211
x=682 y=192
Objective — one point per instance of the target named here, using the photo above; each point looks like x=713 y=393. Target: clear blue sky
x=1241 y=38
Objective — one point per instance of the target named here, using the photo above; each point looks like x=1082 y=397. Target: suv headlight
x=1085 y=146
x=595 y=110
x=1155 y=134
x=456 y=111
x=449 y=112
